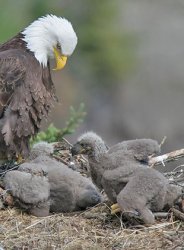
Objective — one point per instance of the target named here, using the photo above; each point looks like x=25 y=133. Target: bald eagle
x=26 y=88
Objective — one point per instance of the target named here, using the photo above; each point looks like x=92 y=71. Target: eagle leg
x=19 y=159
x=115 y=208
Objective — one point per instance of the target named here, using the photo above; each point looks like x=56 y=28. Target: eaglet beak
x=60 y=60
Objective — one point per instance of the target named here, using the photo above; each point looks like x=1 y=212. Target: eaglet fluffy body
x=68 y=190
x=125 y=176
x=30 y=192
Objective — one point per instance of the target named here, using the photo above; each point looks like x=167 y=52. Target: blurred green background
x=103 y=51
x=127 y=67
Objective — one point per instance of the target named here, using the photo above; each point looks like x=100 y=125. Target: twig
x=163 y=141
x=161 y=214
x=176 y=168
x=34 y=224
x=8 y=170
x=161 y=225
x=65 y=140
x=177 y=213
x=60 y=159
x=172 y=156
x=178 y=179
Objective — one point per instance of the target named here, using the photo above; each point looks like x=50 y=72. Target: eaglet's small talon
x=115 y=208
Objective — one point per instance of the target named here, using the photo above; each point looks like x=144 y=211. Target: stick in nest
x=177 y=213
x=172 y=156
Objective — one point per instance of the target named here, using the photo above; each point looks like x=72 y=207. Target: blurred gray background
x=128 y=67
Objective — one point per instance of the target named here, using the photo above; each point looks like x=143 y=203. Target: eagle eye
x=58 y=46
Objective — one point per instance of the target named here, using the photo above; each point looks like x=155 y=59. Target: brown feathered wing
x=26 y=94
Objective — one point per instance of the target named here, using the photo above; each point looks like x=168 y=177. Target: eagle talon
x=19 y=159
x=115 y=208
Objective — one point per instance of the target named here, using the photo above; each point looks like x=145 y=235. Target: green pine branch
x=53 y=134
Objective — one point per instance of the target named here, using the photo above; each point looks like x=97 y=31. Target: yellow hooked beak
x=60 y=60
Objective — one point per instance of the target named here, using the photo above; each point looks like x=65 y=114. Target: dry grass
x=91 y=229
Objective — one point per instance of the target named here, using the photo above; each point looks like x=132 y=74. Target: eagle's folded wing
x=12 y=74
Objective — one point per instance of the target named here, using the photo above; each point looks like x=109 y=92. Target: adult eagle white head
x=26 y=87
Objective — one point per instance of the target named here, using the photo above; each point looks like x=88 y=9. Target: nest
x=91 y=229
